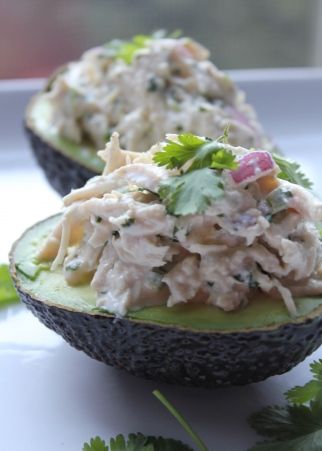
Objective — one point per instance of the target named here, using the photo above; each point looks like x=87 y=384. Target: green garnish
x=140 y=442
x=192 y=192
x=95 y=444
x=8 y=294
x=201 y=182
x=247 y=278
x=128 y=222
x=31 y=269
x=296 y=426
x=153 y=85
x=126 y=50
x=278 y=199
x=290 y=171
x=135 y=442
x=74 y=265
x=176 y=154
x=203 y=153
x=302 y=395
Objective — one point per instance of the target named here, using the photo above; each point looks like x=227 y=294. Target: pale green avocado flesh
x=38 y=118
x=50 y=287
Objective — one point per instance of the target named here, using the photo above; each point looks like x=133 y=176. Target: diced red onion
x=253 y=166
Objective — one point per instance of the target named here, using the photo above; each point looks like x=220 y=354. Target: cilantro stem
x=186 y=426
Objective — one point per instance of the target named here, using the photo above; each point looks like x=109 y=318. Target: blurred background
x=36 y=36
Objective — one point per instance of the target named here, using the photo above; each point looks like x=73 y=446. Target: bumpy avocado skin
x=179 y=356
x=62 y=173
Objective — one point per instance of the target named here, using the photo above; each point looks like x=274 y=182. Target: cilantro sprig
x=290 y=171
x=140 y=442
x=296 y=426
x=200 y=160
x=202 y=152
x=8 y=294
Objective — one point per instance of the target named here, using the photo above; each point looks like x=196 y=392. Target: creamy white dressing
x=116 y=233
x=170 y=86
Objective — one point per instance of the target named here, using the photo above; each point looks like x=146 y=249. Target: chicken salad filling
x=190 y=220
x=145 y=88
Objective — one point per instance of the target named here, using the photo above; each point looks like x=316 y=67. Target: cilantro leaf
x=212 y=155
x=223 y=159
x=136 y=442
x=190 y=141
x=8 y=294
x=311 y=390
x=203 y=152
x=310 y=442
x=316 y=370
x=292 y=428
x=302 y=395
x=284 y=423
x=176 y=154
x=126 y=50
x=316 y=408
x=165 y=444
x=297 y=426
x=192 y=192
x=290 y=171
x=95 y=444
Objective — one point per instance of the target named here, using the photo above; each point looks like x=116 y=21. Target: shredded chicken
x=170 y=86
x=116 y=232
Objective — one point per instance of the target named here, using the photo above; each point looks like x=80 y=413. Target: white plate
x=54 y=397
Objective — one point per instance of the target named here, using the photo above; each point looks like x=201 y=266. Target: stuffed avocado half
x=196 y=263
x=142 y=89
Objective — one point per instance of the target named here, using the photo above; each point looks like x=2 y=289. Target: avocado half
x=67 y=165
x=190 y=344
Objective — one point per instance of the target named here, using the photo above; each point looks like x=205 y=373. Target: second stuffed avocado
x=142 y=89
x=195 y=262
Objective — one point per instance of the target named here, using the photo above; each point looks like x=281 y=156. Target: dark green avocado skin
x=179 y=356
x=62 y=173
